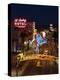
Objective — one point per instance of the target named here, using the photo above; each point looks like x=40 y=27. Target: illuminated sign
x=20 y=23
x=40 y=40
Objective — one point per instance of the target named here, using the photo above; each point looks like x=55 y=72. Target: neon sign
x=20 y=23
x=40 y=40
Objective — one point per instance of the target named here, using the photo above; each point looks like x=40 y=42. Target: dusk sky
x=42 y=15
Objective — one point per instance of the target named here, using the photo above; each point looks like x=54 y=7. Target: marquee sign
x=20 y=23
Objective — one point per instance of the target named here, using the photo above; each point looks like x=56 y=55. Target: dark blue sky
x=43 y=15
